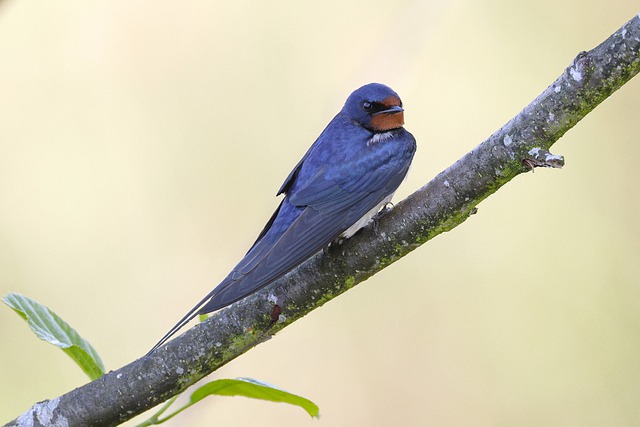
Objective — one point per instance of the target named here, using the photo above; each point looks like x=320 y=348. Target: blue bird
x=350 y=172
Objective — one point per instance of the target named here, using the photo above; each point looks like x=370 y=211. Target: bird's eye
x=367 y=106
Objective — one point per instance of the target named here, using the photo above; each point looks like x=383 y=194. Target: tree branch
x=442 y=204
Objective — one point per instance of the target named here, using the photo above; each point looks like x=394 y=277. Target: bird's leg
x=380 y=214
x=386 y=208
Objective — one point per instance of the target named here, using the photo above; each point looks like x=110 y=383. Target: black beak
x=391 y=110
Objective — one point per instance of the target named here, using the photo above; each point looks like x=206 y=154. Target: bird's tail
x=186 y=319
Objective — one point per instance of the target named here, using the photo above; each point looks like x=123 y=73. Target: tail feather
x=186 y=319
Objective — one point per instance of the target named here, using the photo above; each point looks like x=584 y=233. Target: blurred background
x=141 y=146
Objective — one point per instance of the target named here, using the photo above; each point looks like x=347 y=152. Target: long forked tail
x=186 y=319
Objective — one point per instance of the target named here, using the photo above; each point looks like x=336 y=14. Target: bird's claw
x=382 y=212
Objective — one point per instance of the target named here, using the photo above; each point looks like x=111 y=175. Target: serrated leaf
x=255 y=389
x=49 y=327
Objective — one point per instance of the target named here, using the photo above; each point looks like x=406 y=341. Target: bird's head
x=376 y=107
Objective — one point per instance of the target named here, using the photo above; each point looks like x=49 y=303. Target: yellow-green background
x=141 y=145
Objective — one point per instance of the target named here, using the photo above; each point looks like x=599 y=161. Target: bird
x=346 y=177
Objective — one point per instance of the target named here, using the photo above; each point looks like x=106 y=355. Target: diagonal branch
x=442 y=204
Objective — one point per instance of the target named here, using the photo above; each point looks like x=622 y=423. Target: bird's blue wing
x=344 y=186
x=312 y=231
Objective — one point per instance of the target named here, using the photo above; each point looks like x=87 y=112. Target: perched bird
x=350 y=172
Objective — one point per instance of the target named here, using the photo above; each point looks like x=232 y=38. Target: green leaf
x=239 y=387
x=255 y=389
x=49 y=327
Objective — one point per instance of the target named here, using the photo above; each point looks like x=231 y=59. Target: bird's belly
x=366 y=218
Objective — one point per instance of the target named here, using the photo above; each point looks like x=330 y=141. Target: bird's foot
x=382 y=212
x=336 y=242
